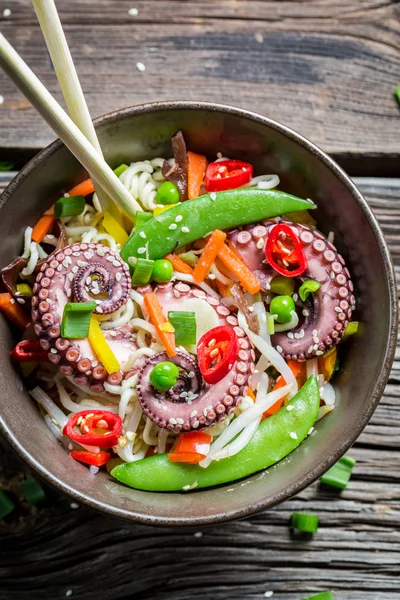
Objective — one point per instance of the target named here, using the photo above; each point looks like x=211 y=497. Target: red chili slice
x=29 y=350
x=90 y=458
x=227 y=175
x=284 y=251
x=91 y=423
x=190 y=448
x=217 y=351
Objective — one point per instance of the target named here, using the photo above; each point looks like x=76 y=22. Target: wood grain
x=355 y=553
x=327 y=69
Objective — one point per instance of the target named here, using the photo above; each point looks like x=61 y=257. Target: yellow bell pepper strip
x=327 y=362
x=194 y=219
x=112 y=227
x=160 y=209
x=272 y=441
x=101 y=348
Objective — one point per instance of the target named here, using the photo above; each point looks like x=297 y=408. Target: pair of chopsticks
x=77 y=132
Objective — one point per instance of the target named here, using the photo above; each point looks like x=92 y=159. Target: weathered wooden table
x=327 y=68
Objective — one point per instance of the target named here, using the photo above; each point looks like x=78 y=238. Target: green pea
x=163 y=376
x=162 y=271
x=167 y=193
x=282 y=306
x=282 y=285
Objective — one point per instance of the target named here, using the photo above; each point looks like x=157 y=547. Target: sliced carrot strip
x=197 y=164
x=178 y=264
x=157 y=317
x=251 y=394
x=42 y=227
x=239 y=269
x=209 y=254
x=82 y=189
x=13 y=311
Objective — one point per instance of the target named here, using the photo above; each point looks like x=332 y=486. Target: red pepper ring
x=29 y=351
x=227 y=175
x=277 y=249
x=89 y=423
x=90 y=458
x=217 y=352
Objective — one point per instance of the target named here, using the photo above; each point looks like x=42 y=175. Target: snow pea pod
x=274 y=439
x=192 y=220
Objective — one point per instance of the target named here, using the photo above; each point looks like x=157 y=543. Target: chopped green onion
x=397 y=93
x=71 y=206
x=189 y=258
x=284 y=286
x=351 y=329
x=6 y=165
x=270 y=324
x=339 y=475
x=321 y=596
x=306 y=523
x=308 y=287
x=33 y=491
x=141 y=218
x=76 y=319
x=143 y=271
x=24 y=289
x=184 y=324
x=6 y=505
x=121 y=169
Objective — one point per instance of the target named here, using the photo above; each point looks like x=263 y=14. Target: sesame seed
x=315 y=339
x=315 y=347
x=290 y=407
x=141 y=250
x=118 y=276
x=173 y=226
x=185 y=229
x=305 y=312
x=20 y=301
x=178 y=219
x=1 y=99
x=133 y=12
x=310 y=431
x=198 y=534
x=53 y=350
x=332 y=275
x=140 y=67
x=99 y=310
x=279 y=348
x=193 y=413
x=310 y=349
x=172 y=421
x=268 y=594
x=6 y=12
x=293 y=435
x=213 y=196
x=116 y=263
x=195 y=424
x=295 y=297
x=319 y=353
x=211 y=276
x=191 y=374
x=180 y=421
x=338 y=309
x=260 y=243
x=69 y=593
x=291 y=335
x=315 y=332
x=74 y=505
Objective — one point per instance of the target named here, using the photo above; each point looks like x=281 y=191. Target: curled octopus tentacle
x=193 y=404
x=85 y=272
x=325 y=317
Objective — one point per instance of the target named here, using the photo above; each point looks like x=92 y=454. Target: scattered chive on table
x=334 y=65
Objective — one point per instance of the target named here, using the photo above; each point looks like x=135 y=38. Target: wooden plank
x=355 y=553
x=327 y=69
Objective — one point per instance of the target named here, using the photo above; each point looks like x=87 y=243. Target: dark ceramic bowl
x=144 y=132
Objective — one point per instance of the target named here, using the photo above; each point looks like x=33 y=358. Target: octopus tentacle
x=327 y=316
x=86 y=272
x=198 y=405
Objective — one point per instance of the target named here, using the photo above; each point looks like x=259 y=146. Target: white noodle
x=149 y=439
x=127 y=314
x=240 y=442
x=127 y=395
x=56 y=413
x=33 y=260
x=99 y=237
x=132 y=423
x=41 y=252
x=27 y=242
x=162 y=441
x=312 y=367
x=328 y=394
x=138 y=178
x=294 y=321
x=259 y=309
x=142 y=324
x=137 y=297
x=65 y=398
x=264 y=182
x=72 y=231
x=55 y=430
x=261 y=366
x=218 y=275
x=135 y=356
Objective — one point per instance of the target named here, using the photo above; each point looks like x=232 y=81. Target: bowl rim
x=373 y=400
